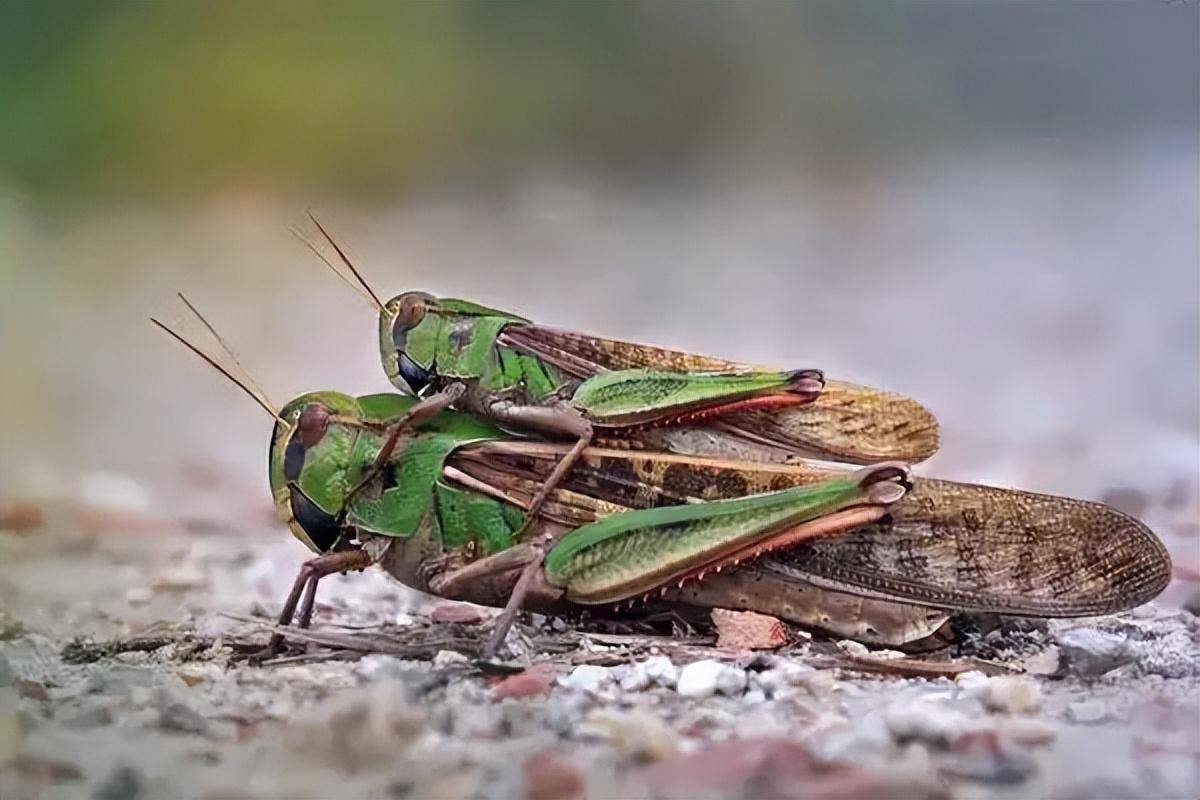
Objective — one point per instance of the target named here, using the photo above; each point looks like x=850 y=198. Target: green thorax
x=458 y=342
x=412 y=485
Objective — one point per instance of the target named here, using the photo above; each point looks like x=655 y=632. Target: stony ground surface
x=123 y=675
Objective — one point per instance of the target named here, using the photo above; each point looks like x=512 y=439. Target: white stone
x=887 y=655
x=1087 y=711
x=853 y=648
x=705 y=678
x=587 y=678
x=1089 y=652
x=446 y=658
x=1028 y=731
x=661 y=671
x=818 y=683
x=925 y=721
x=972 y=683
x=656 y=670
x=754 y=697
x=1012 y=695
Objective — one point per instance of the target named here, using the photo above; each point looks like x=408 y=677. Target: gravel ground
x=1099 y=708
x=1044 y=307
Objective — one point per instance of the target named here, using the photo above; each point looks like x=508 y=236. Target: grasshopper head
x=405 y=316
x=310 y=461
x=415 y=326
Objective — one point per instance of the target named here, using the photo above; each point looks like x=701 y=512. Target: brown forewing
x=848 y=422
x=945 y=544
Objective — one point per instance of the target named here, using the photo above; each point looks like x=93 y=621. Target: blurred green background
x=375 y=99
x=989 y=206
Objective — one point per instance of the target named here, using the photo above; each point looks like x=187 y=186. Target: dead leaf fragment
x=748 y=630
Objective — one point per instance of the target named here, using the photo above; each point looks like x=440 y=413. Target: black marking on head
x=322 y=528
x=416 y=376
x=293 y=457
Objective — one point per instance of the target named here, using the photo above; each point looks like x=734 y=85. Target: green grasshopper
x=325 y=443
x=857 y=554
x=572 y=386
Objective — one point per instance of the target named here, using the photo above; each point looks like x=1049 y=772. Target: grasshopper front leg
x=421 y=411
x=310 y=573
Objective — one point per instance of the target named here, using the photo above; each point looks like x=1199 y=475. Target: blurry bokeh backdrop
x=991 y=207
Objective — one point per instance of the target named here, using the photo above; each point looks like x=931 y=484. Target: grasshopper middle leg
x=555 y=421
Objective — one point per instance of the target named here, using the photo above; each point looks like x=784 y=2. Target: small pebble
x=1088 y=652
x=1012 y=695
x=123 y=783
x=587 y=678
x=853 y=648
x=660 y=670
x=180 y=718
x=1044 y=663
x=1028 y=731
x=448 y=658
x=705 y=678
x=924 y=721
x=972 y=683
x=818 y=683
x=636 y=734
x=1087 y=712
x=534 y=681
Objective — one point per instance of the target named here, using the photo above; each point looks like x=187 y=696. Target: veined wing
x=946 y=544
x=848 y=422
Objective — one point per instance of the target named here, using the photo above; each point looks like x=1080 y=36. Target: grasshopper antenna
x=317 y=251
x=258 y=396
x=228 y=351
x=345 y=260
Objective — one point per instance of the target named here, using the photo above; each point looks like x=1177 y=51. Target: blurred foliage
x=373 y=96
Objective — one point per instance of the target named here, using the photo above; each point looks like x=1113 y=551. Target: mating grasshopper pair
x=707 y=501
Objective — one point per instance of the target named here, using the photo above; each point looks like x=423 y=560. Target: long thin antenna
x=228 y=350
x=346 y=260
x=317 y=251
x=212 y=363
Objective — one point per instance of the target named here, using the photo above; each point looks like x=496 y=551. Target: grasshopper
x=861 y=554
x=577 y=387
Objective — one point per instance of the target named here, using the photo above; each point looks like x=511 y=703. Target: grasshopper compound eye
x=312 y=424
